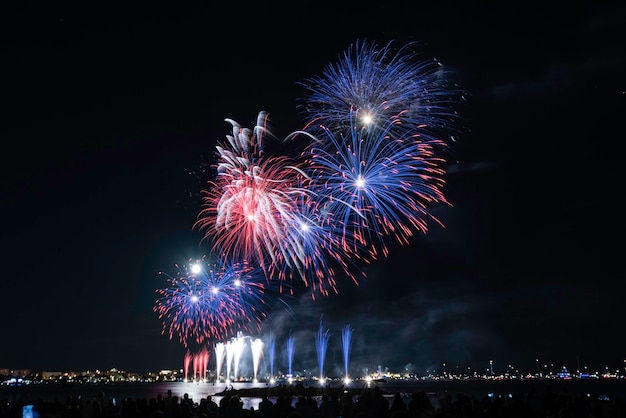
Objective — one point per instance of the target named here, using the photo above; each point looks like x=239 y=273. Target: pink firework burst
x=248 y=209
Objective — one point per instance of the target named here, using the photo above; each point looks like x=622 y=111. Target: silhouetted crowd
x=368 y=403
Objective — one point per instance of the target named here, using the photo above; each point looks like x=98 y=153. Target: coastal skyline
x=113 y=117
x=280 y=368
x=258 y=359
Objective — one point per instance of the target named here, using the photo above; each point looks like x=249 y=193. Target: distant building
x=15 y=372
x=51 y=375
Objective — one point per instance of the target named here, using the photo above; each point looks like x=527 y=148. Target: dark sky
x=109 y=113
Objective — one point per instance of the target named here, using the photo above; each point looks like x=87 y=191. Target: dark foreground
x=394 y=399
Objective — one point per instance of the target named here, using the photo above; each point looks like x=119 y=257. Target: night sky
x=110 y=118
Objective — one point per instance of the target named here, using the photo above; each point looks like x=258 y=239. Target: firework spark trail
x=291 y=349
x=316 y=248
x=257 y=354
x=305 y=238
x=346 y=343
x=321 y=345
x=220 y=351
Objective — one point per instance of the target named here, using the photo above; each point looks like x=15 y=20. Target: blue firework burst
x=377 y=83
x=214 y=300
x=376 y=185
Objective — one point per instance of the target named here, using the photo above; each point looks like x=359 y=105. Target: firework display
x=367 y=175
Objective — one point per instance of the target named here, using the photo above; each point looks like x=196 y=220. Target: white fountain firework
x=257 y=353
